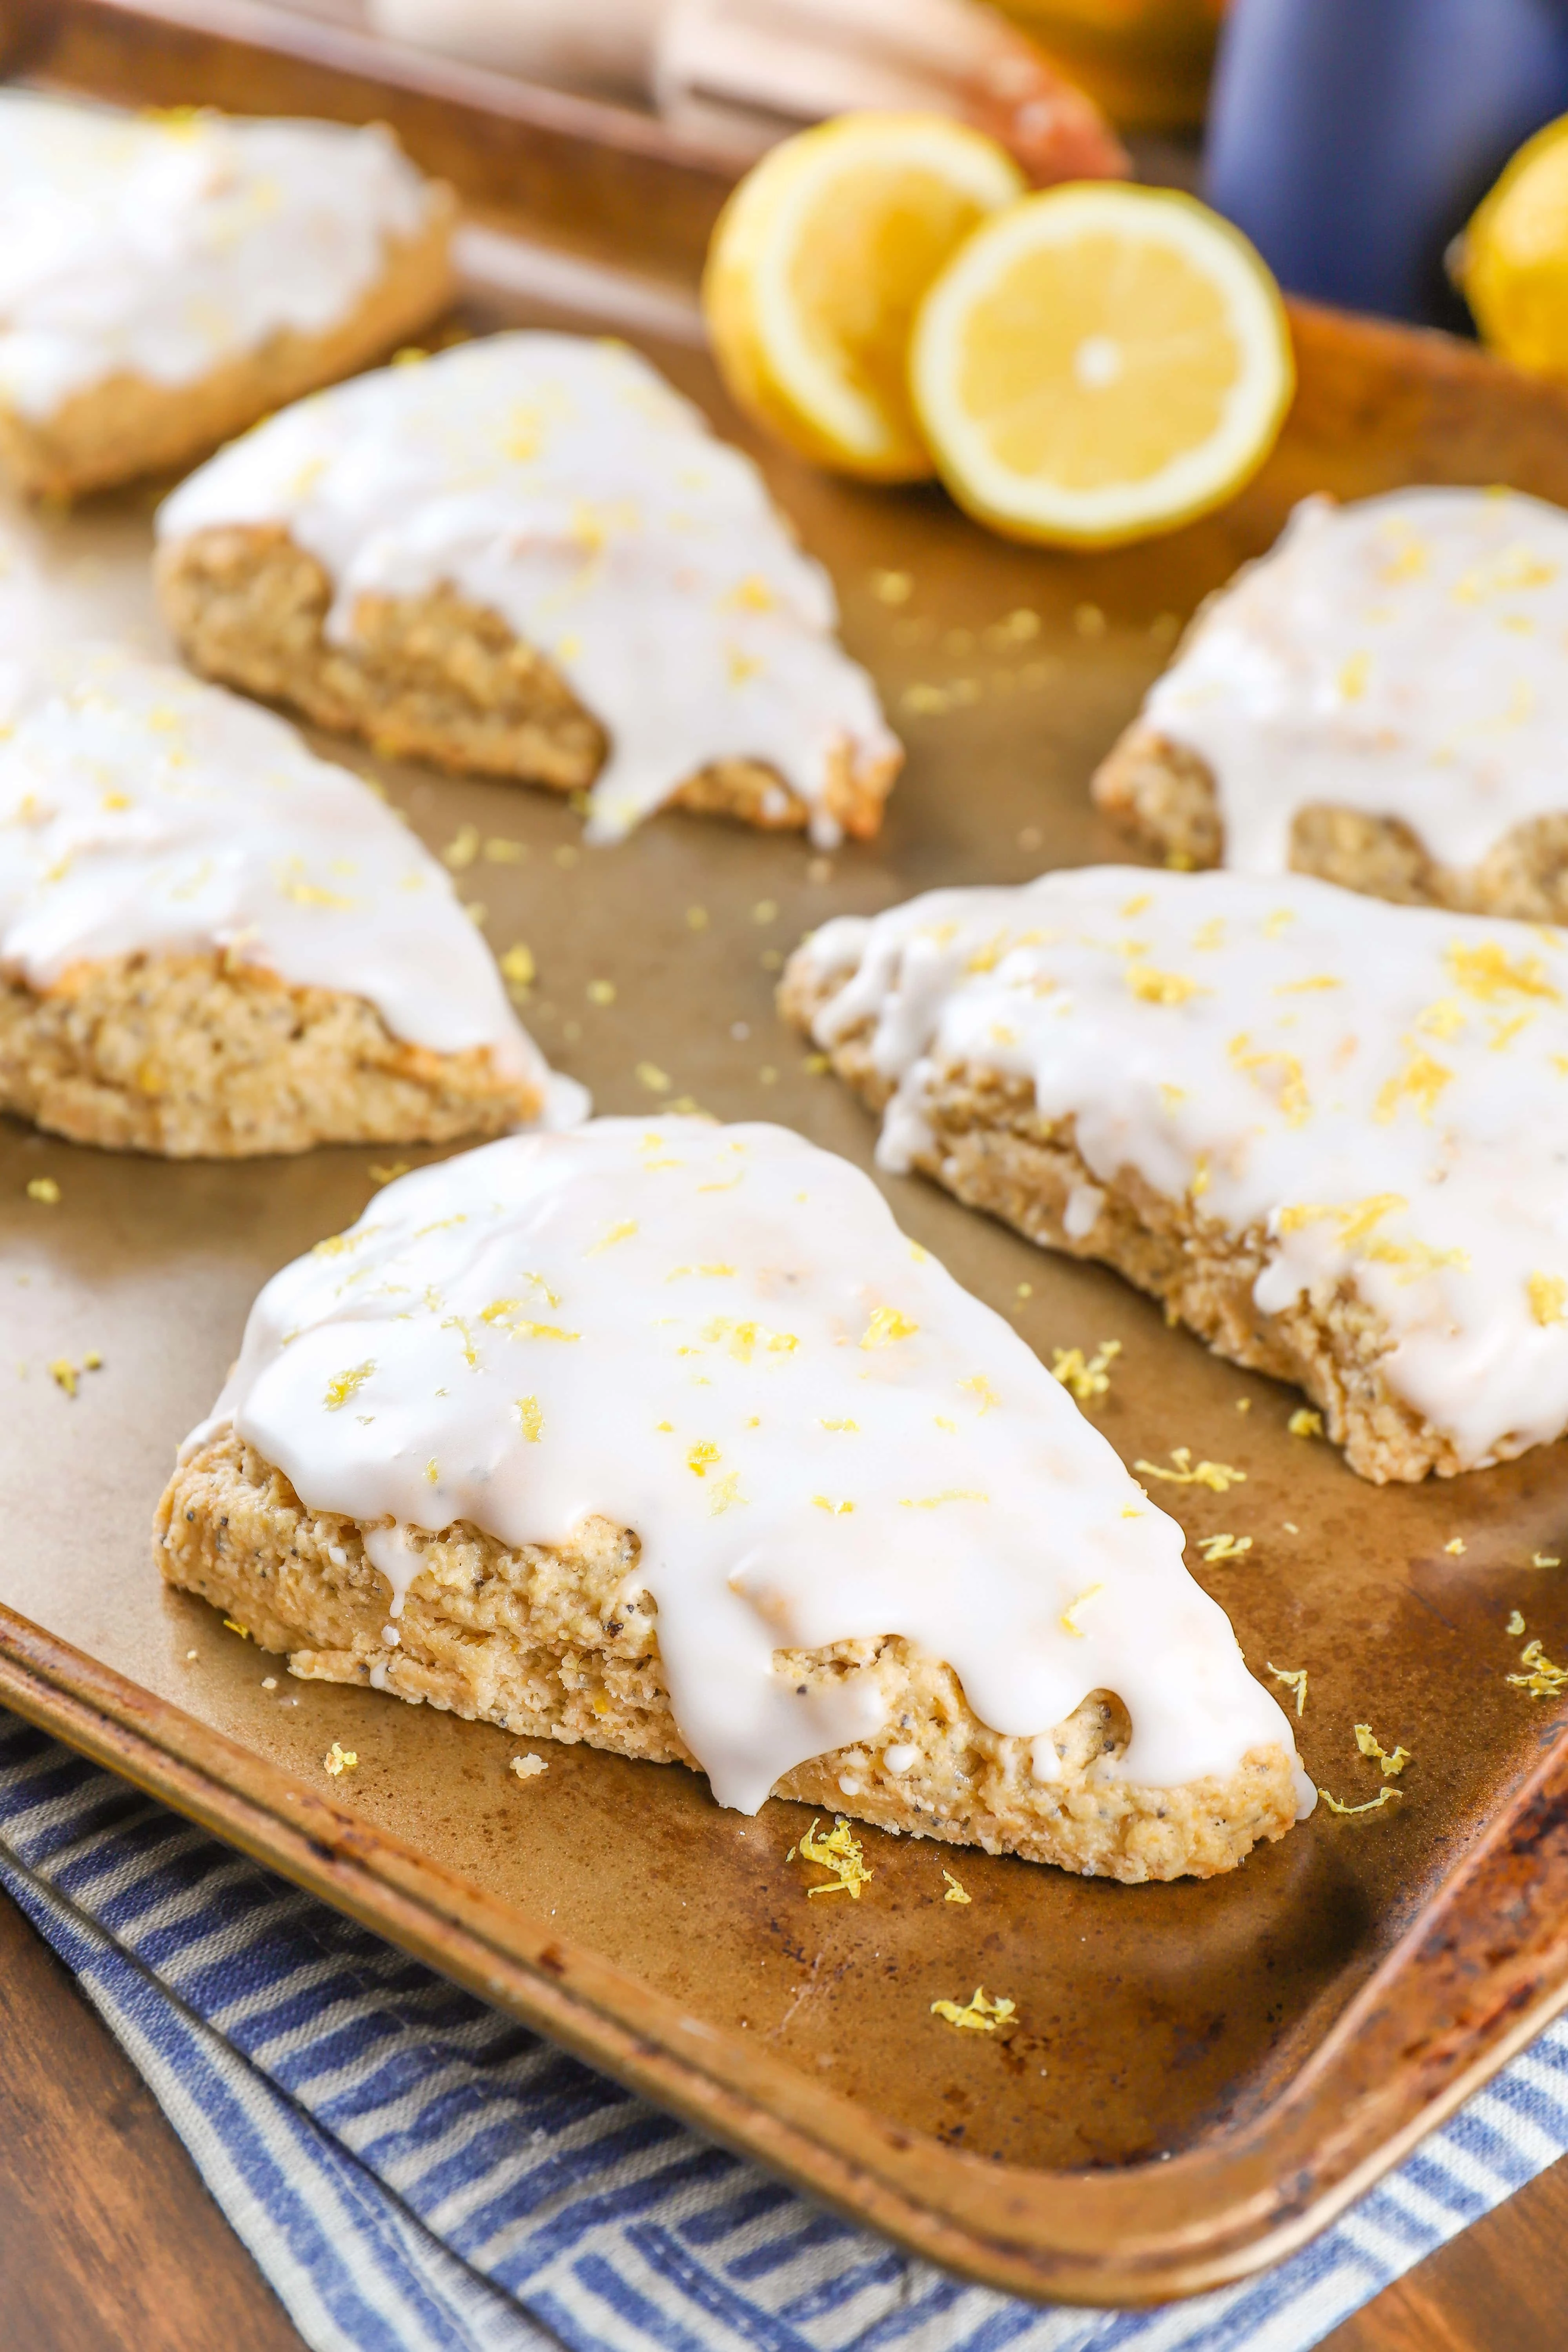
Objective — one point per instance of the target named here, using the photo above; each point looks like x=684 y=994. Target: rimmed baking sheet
x=1173 y=2104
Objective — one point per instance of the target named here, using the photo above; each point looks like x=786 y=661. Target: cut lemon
x=817 y=264
x=1512 y=260
x=1099 y=364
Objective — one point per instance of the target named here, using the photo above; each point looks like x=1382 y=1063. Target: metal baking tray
x=1201 y=2074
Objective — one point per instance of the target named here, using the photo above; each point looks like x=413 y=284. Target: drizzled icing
x=1406 y=656
x=717 y=1337
x=141 y=812
x=1378 y=1093
x=161 y=246
x=563 y=483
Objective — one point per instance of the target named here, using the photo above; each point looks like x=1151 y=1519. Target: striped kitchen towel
x=415 y=2173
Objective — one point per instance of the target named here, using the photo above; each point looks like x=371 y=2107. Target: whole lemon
x=1511 y=262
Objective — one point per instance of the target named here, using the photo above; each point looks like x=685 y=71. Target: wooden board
x=1201 y=2074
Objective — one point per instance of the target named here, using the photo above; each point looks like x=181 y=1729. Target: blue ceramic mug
x=1350 y=139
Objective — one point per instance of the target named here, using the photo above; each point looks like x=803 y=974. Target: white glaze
x=683 y=1312
x=1282 y=1051
x=141 y=812
x=1406 y=656
x=560 y=482
x=160 y=245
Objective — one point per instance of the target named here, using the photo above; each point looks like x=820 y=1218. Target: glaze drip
x=718 y=1338
x=1403 y=656
x=1378 y=1093
x=562 y=483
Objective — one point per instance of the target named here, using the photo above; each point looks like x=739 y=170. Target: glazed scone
x=1329 y=1134
x=1382 y=701
x=213 y=944
x=167 y=279
x=664 y=1437
x=530 y=557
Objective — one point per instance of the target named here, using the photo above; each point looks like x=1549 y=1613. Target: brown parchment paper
x=1151 y=2019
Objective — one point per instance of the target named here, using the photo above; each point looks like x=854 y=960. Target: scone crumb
x=44 y=1189
x=528 y=1767
x=1305 y=1422
x=1515 y=1625
x=841 y=1852
x=1218 y=1476
x=1392 y=1765
x=1294 y=1678
x=268 y=1682
x=1455 y=1545
x=339 y=1761
x=977 y=2015
x=955 y=1893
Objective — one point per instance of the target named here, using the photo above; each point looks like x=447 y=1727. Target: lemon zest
x=886 y=1326
x=1294 y=1679
x=1372 y=1805
x=1087 y=1376
x=1218 y=1476
x=841 y=1852
x=344 y=1385
x=977 y=2015
x=1392 y=1765
x=1544 y=1680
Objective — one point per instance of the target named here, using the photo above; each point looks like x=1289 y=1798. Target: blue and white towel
x=415 y=2173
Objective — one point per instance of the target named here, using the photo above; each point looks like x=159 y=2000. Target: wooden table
x=107 y=2236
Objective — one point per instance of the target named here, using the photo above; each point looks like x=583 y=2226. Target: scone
x=1383 y=701
x=167 y=279
x=662 y=1436
x=530 y=558
x=213 y=944
x=1329 y=1134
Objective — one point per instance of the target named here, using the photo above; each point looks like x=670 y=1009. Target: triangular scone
x=1383 y=701
x=1329 y=1134
x=167 y=279
x=213 y=944
x=530 y=556
x=661 y=1435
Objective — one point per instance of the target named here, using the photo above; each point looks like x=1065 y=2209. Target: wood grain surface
x=108 y=2237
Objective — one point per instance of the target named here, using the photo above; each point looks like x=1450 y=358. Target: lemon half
x=1100 y=362
x=1512 y=260
x=817 y=266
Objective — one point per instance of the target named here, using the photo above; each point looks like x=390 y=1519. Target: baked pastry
x=213 y=944
x=1383 y=701
x=167 y=279
x=1328 y=1133
x=664 y=1437
x=530 y=556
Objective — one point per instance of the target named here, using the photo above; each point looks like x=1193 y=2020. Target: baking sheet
x=1151 y=2019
